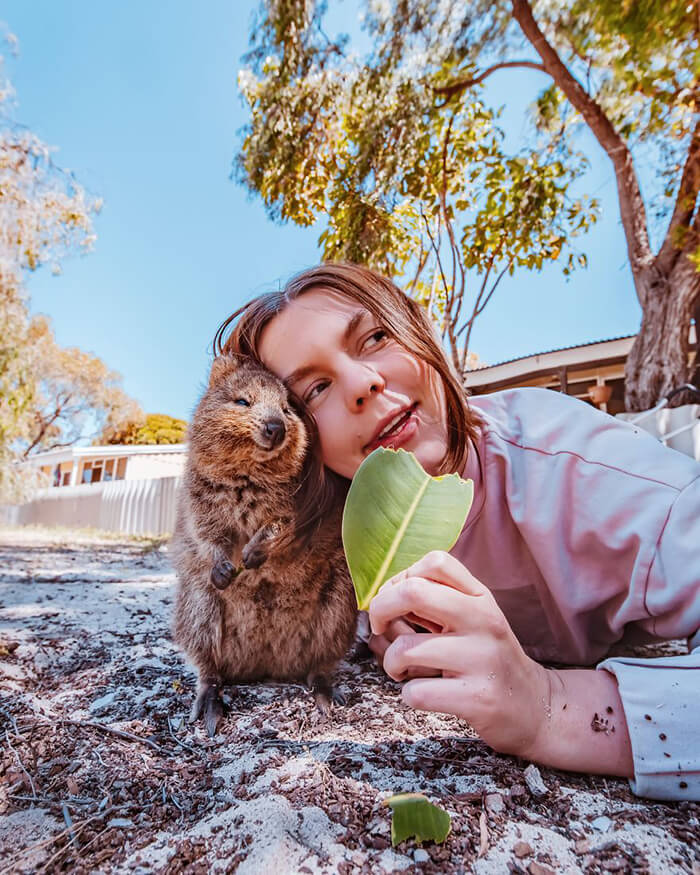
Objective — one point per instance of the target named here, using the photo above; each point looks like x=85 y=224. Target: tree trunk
x=658 y=360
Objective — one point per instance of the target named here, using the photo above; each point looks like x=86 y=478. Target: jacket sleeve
x=661 y=697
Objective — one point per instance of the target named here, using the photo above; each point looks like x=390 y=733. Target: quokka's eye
x=285 y=410
x=242 y=402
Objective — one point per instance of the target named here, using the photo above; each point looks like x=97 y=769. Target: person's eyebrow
x=348 y=332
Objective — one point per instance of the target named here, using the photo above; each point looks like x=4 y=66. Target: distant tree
x=44 y=216
x=153 y=428
x=402 y=156
x=75 y=396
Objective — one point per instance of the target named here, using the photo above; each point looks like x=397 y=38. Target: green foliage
x=640 y=62
x=154 y=428
x=402 y=158
x=414 y=816
x=394 y=514
x=405 y=172
x=44 y=216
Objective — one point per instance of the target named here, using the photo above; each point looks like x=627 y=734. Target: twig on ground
x=175 y=802
x=119 y=733
x=76 y=827
x=11 y=718
x=47 y=800
x=20 y=763
x=69 y=823
x=81 y=852
x=177 y=740
x=102 y=762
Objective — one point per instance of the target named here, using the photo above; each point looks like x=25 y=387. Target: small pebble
x=534 y=781
x=102 y=704
x=421 y=856
x=495 y=804
x=602 y=823
x=539 y=869
x=121 y=823
x=616 y=864
x=522 y=849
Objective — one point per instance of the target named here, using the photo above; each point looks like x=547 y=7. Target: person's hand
x=486 y=677
x=379 y=644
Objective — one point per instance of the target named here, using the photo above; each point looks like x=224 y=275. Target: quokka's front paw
x=254 y=554
x=223 y=574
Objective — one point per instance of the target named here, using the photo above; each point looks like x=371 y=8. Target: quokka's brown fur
x=244 y=609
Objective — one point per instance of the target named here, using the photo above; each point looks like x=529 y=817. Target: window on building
x=121 y=469
x=108 y=470
x=92 y=471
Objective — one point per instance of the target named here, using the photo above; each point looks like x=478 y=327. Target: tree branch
x=632 y=210
x=685 y=202
x=462 y=85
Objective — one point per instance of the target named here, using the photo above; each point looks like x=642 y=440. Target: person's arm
x=661 y=697
x=587 y=729
x=556 y=718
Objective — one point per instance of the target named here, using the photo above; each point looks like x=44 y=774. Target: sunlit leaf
x=395 y=513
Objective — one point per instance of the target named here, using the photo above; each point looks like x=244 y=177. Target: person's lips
x=391 y=425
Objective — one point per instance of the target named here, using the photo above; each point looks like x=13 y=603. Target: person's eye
x=315 y=390
x=376 y=337
x=242 y=402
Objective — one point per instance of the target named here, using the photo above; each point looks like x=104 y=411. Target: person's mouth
x=395 y=429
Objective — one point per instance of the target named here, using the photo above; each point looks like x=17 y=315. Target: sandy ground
x=100 y=770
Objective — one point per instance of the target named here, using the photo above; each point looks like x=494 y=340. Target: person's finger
x=443 y=568
x=442 y=606
x=397 y=627
x=378 y=645
x=446 y=695
x=441 y=653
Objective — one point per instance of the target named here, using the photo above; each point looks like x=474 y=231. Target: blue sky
x=140 y=100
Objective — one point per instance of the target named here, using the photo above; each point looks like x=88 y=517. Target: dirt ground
x=100 y=771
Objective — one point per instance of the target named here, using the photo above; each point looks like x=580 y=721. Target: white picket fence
x=134 y=507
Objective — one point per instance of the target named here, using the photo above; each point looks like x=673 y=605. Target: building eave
x=607 y=351
x=69 y=454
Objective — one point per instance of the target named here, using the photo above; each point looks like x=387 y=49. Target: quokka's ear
x=224 y=365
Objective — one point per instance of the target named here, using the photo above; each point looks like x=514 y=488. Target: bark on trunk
x=658 y=360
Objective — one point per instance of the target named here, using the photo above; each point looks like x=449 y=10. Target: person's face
x=363 y=388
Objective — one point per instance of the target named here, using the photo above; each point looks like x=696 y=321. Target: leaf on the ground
x=413 y=815
x=395 y=513
x=483 y=835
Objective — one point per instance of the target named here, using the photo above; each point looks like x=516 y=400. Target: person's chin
x=430 y=454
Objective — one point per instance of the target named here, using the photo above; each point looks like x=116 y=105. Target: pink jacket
x=587 y=531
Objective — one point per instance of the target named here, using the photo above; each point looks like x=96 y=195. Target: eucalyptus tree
x=400 y=152
x=44 y=215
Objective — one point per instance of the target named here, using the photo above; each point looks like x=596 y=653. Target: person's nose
x=363 y=383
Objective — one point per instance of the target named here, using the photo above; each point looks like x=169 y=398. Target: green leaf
x=413 y=815
x=395 y=513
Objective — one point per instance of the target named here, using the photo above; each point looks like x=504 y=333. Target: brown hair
x=401 y=317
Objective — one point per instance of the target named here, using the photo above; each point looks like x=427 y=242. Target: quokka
x=250 y=605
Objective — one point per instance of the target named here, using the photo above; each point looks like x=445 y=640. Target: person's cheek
x=333 y=452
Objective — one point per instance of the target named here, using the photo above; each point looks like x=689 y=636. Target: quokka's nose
x=274 y=430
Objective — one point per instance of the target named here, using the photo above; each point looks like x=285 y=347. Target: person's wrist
x=536 y=741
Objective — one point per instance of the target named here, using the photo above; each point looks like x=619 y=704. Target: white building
x=118 y=488
x=74 y=466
